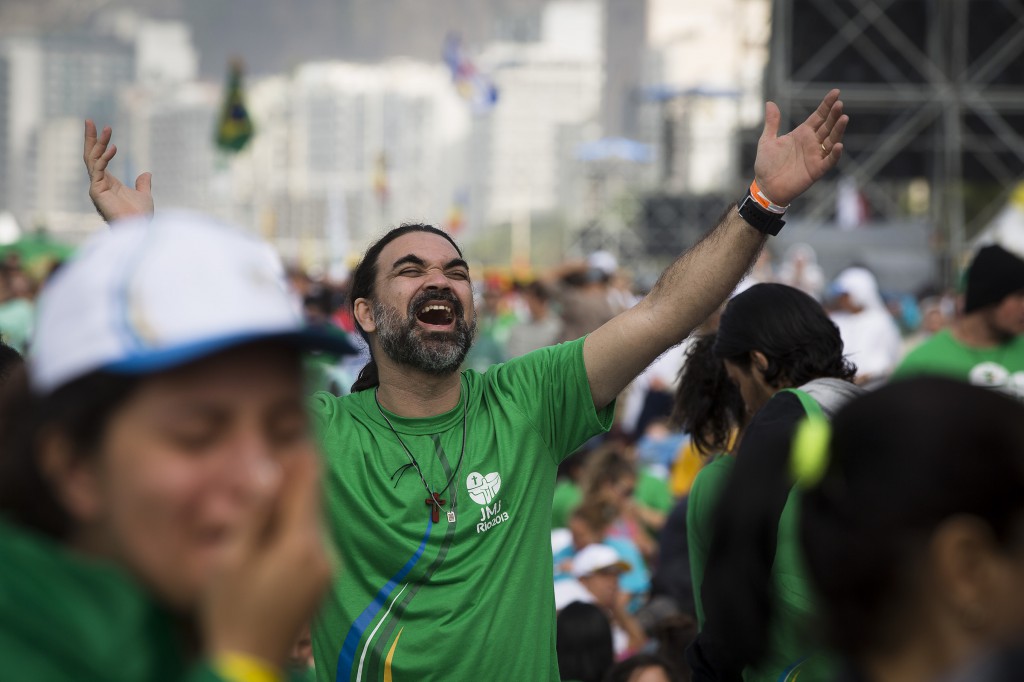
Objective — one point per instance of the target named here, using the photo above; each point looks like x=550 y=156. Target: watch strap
x=761 y=219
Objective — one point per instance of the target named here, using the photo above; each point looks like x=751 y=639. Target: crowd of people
x=745 y=473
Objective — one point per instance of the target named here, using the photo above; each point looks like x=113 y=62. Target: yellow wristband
x=236 y=667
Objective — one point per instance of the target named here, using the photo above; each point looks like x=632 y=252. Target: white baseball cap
x=594 y=558
x=156 y=292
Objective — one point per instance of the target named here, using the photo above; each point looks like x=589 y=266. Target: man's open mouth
x=436 y=314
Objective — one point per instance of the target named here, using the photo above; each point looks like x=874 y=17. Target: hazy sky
x=273 y=36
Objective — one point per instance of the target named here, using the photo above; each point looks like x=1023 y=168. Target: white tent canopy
x=1007 y=228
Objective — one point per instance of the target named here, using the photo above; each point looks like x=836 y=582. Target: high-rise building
x=5 y=141
x=625 y=38
x=704 y=83
x=76 y=76
x=50 y=83
x=550 y=92
x=382 y=143
x=170 y=132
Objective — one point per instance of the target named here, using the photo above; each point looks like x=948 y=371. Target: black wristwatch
x=761 y=220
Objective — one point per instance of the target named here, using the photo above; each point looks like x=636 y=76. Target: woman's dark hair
x=583 y=643
x=78 y=412
x=903 y=459
x=708 y=406
x=798 y=339
x=364 y=278
x=623 y=670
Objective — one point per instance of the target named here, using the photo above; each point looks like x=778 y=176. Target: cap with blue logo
x=157 y=292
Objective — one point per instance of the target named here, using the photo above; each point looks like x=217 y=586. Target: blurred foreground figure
x=913 y=528
x=439 y=482
x=643 y=668
x=158 y=482
x=584 y=643
x=985 y=346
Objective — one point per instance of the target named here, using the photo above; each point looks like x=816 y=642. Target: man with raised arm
x=439 y=482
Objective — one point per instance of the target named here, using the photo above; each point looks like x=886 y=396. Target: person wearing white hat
x=159 y=516
x=439 y=481
x=871 y=337
x=597 y=569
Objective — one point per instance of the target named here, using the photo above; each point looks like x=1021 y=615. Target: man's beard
x=997 y=332
x=437 y=353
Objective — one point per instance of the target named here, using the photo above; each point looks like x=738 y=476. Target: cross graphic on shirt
x=435 y=502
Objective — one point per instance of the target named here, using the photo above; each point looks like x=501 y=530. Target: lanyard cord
x=416 y=465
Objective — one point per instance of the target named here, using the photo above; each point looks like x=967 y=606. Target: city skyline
x=330 y=132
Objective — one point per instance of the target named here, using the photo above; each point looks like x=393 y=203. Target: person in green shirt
x=984 y=346
x=158 y=484
x=439 y=482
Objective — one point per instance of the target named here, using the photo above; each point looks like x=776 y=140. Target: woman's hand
x=273 y=573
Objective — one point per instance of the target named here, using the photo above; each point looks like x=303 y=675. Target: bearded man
x=985 y=345
x=439 y=482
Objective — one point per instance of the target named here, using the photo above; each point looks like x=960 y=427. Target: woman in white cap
x=158 y=483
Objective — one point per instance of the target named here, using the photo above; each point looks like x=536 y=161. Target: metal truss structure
x=935 y=91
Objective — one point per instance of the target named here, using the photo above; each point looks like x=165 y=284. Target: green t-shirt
x=1000 y=368
x=66 y=617
x=788 y=656
x=700 y=509
x=418 y=600
x=794 y=603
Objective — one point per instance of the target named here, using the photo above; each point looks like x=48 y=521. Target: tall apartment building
x=384 y=142
x=550 y=93
x=704 y=82
x=49 y=83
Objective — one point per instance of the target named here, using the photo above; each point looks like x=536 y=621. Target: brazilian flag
x=234 y=127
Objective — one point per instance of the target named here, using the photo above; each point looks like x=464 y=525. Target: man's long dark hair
x=365 y=277
x=790 y=328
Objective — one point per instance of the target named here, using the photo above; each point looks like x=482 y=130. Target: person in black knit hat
x=985 y=345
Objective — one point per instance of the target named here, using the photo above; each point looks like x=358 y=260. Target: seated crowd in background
x=897 y=526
